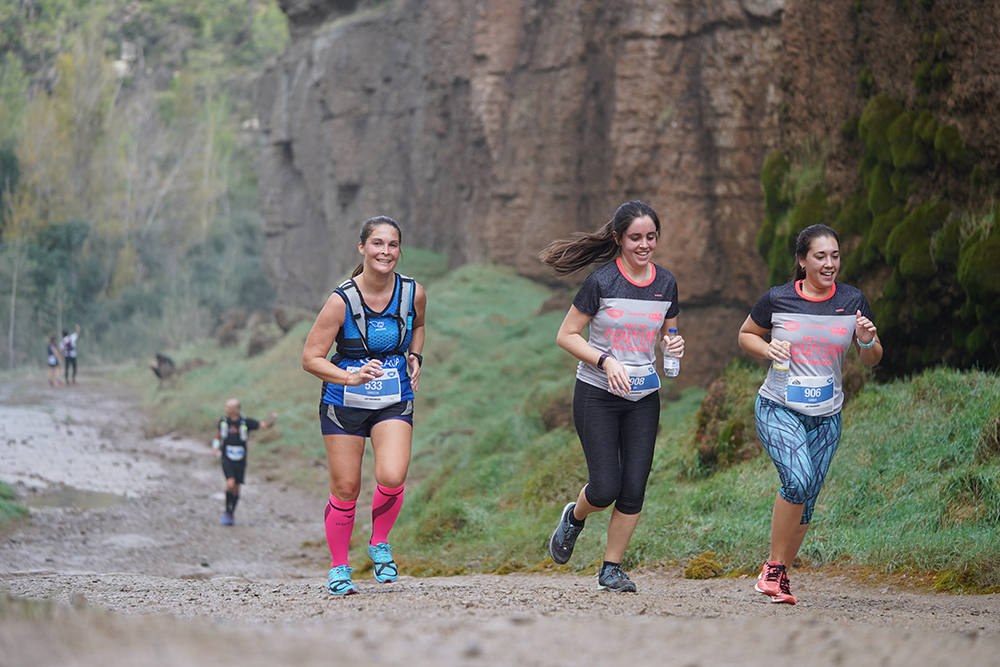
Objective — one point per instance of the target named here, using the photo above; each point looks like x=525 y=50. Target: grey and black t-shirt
x=626 y=317
x=820 y=332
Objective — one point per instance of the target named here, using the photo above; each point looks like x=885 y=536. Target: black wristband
x=600 y=362
x=420 y=358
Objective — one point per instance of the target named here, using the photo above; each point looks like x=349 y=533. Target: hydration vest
x=357 y=347
x=224 y=429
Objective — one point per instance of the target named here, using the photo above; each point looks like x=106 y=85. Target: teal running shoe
x=385 y=569
x=338 y=582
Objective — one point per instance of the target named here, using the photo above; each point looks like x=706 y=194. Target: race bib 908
x=643 y=380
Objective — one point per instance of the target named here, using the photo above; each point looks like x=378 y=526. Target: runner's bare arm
x=865 y=332
x=571 y=339
x=753 y=340
x=417 y=340
x=320 y=340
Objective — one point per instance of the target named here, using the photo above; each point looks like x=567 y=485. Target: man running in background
x=231 y=436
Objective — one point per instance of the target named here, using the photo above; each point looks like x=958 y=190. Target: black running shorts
x=338 y=420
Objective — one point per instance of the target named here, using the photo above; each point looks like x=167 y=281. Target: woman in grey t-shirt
x=629 y=304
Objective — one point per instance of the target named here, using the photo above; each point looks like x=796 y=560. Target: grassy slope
x=9 y=510
x=914 y=485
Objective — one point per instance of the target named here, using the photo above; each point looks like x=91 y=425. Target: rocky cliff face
x=490 y=127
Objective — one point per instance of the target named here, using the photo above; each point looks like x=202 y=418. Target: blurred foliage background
x=127 y=179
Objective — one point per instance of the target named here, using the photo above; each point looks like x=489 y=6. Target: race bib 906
x=809 y=392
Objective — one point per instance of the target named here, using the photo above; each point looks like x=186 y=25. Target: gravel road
x=123 y=562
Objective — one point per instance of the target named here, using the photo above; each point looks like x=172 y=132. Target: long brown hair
x=366 y=230
x=566 y=256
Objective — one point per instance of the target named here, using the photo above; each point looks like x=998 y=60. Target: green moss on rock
x=946 y=243
x=950 y=148
x=874 y=124
x=917 y=263
x=922 y=76
x=882 y=226
x=773 y=175
x=907 y=149
x=919 y=224
x=925 y=127
x=977 y=269
x=902 y=185
x=978 y=340
x=881 y=198
x=853 y=217
x=866 y=82
x=705 y=565
x=810 y=210
x=772 y=178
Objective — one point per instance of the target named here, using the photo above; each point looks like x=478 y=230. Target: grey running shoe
x=564 y=537
x=613 y=578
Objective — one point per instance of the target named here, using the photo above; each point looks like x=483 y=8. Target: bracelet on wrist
x=420 y=359
x=865 y=346
x=600 y=362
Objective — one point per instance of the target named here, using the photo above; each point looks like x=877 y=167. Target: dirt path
x=124 y=549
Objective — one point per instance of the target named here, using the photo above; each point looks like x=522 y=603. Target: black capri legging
x=618 y=436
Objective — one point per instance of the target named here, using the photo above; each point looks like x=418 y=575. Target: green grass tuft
x=9 y=510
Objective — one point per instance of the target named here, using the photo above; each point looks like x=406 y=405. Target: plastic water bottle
x=671 y=364
x=779 y=374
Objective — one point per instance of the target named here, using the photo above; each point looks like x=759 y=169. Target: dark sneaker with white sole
x=613 y=578
x=564 y=537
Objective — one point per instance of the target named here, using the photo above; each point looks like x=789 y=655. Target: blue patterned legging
x=801 y=448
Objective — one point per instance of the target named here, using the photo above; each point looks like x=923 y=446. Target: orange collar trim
x=800 y=292
x=621 y=268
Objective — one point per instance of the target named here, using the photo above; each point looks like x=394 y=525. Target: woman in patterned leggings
x=804 y=328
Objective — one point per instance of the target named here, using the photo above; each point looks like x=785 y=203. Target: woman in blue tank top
x=376 y=321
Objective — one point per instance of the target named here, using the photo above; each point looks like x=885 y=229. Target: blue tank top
x=388 y=341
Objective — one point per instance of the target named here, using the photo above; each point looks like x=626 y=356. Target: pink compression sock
x=386 y=504
x=339 y=519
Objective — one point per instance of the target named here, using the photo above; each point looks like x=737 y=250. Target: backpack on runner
x=349 y=290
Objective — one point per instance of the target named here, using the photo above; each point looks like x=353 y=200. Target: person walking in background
x=804 y=328
x=231 y=440
x=69 y=352
x=376 y=319
x=52 y=359
x=629 y=304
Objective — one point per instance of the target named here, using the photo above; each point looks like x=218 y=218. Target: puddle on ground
x=68 y=496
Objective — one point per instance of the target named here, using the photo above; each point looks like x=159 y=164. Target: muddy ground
x=123 y=562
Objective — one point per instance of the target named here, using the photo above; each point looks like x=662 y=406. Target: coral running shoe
x=385 y=569
x=785 y=592
x=769 y=580
x=338 y=582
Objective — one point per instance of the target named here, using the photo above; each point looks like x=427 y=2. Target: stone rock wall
x=490 y=127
